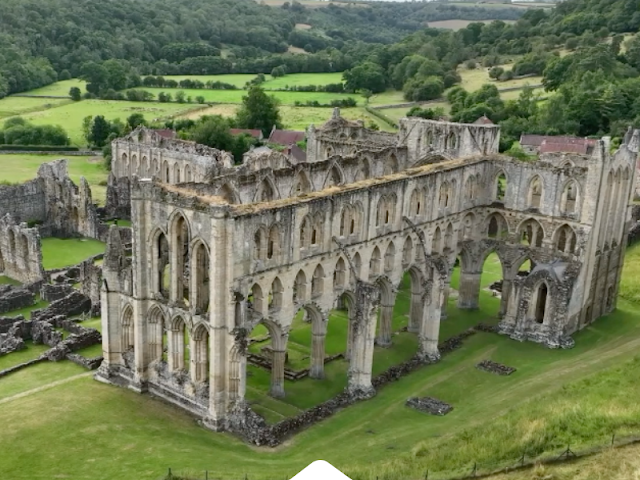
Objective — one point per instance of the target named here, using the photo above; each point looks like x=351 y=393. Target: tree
x=99 y=132
x=279 y=71
x=495 y=72
x=75 y=94
x=259 y=111
x=180 y=96
x=200 y=99
x=87 y=122
x=367 y=75
x=135 y=120
x=423 y=88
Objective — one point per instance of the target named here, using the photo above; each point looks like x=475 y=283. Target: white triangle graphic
x=321 y=470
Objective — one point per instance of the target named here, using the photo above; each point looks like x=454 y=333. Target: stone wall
x=53 y=201
x=20 y=251
x=13 y=298
x=91 y=282
x=51 y=293
x=73 y=304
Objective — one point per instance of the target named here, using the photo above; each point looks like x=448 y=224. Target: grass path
x=47 y=386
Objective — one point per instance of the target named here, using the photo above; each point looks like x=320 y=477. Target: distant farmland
x=458 y=24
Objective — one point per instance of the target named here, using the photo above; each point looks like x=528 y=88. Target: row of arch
x=616 y=198
x=167 y=341
x=168 y=173
x=536 y=193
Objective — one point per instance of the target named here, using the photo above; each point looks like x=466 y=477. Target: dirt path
x=44 y=387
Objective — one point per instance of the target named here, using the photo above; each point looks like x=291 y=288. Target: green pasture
x=70 y=116
x=64 y=252
x=240 y=79
x=555 y=397
x=59 y=89
x=12 y=106
x=235 y=96
x=19 y=168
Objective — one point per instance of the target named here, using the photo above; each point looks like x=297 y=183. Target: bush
x=470 y=64
x=39 y=148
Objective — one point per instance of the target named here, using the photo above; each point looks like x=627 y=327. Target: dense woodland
x=591 y=91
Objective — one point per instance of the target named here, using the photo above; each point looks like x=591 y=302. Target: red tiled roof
x=166 y=132
x=538 y=140
x=254 y=133
x=286 y=137
x=296 y=152
x=483 y=120
x=565 y=147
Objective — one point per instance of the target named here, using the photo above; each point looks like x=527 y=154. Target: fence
x=472 y=470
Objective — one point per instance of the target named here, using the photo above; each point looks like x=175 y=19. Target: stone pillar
x=277 y=374
x=507 y=287
x=444 y=299
x=508 y=322
x=469 y=292
x=364 y=330
x=416 y=312
x=430 y=330
x=222 y=309
x=384 y=334
x=350 y=321
x=317 y=356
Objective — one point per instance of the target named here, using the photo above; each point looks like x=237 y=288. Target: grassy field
x=474 y=79
x=59 y=252
x=235 y=96
x=20 y=168
x=555 y=397
x=298 y=118
x=59 y=88
x=11 y=106
x=70 y=116
x=459 y=24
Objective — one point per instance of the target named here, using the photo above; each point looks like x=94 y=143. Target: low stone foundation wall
x=88 y=363
x=51 y=293
x=246 y=423
x=14 y=298
x=73 y=304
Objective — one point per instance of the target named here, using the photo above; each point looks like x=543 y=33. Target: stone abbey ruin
x=219 y=249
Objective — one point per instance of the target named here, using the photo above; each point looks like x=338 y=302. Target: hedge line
x=39 y=148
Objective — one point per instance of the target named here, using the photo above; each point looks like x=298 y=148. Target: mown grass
x=70 y=116
x=31 y=352
x=20 y=168
x=473 y=79
x=555 y=397
x=11 y=106
x=64 y=252
x=59 y=88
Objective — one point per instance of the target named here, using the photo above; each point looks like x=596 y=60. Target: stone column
x=507 y=287
x=277 y=374
x=430 y=331
x=508 y=322
x=350 y=321
x=384 y=334
x=317 y=355
x=222 y=309
x=444 y=300
x=364 y=330
x=469 y=292
x=416 y=312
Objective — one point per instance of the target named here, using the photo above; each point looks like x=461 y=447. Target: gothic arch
x=260 y=243
x=302 y=184
x=200 y=263
x=300 y=287
x=160 y=261
x=276 y=294
x=340 y=274
x=128 y=338
x=468 y=223
x=357 y=264
x=266 y=191
x=256 y=299
x=565 y=239
x=500 y=186
x=156 y=325
x=436 y=241
x=363 y=170
x=451 y=141
x=531 y=232
x=407 y=252
x=228 y=194
x=569 y=200
x=389 y=258
x=374 y=262
x=200 y=361
x=497 y=226
x=317 y=282
x=335 y=176
x=535 y=192
x=273 y=242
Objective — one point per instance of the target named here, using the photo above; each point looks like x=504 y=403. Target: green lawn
x=70 y=116
x=555 y=397
x=30 y=353
x=10 y=106
x=390 y=97
x=59 y=88
x=19 y=168
x=63 y=252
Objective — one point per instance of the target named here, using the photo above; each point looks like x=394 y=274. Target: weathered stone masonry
x=212 y=265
